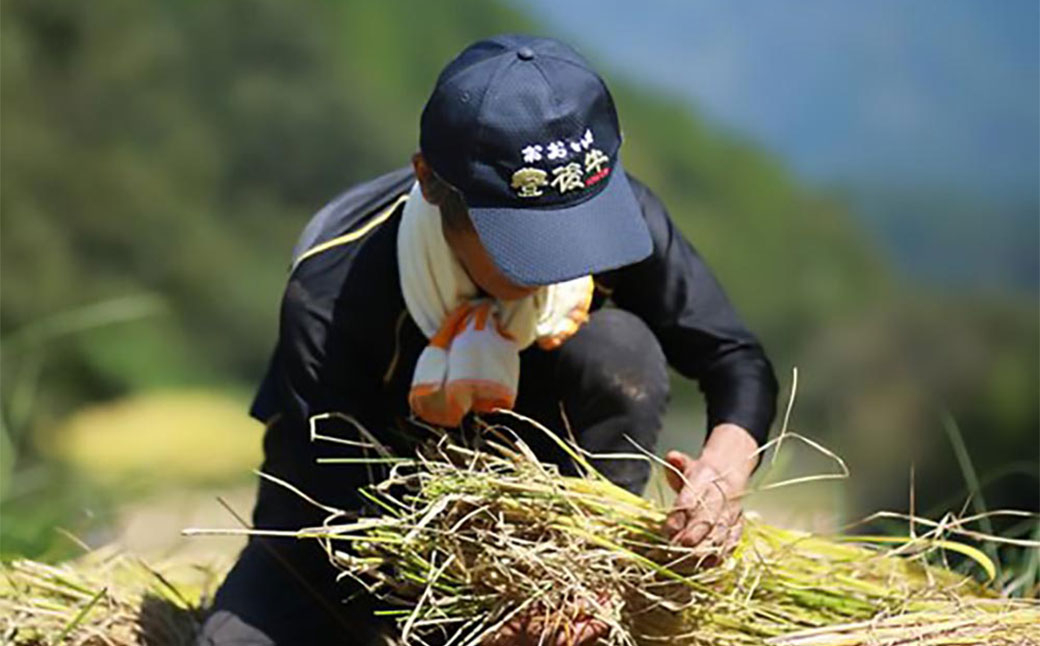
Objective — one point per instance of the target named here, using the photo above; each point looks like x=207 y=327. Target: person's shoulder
x=347 y=254
x=350 y=210
x=645 y=196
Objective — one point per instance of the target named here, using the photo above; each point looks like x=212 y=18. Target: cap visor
x=544 y=246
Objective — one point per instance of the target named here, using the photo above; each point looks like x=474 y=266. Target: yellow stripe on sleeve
x=353 y=235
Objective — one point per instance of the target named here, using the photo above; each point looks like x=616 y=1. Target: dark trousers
x=610 y=381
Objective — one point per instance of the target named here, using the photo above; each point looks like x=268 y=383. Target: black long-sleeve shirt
x=347 y=344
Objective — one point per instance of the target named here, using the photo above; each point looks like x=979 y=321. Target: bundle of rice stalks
x=467 y=541
x=105 y=598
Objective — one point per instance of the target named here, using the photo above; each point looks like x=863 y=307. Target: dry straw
x=105 y=598
x=467 y=539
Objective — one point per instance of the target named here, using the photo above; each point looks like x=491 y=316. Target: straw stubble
x=467 y=541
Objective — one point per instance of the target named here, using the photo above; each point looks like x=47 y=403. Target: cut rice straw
x=463 y=539
x=104 y=598
x=467 y=538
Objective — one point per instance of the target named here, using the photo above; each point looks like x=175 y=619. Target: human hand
x=707 y=512
x=532 y=629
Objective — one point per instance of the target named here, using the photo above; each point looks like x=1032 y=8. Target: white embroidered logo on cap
x=568 y=178
x=557 y=150
x=571 y=176
x=532 y=154
x=595 y=160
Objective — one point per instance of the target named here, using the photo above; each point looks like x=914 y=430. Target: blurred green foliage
x=171 y=151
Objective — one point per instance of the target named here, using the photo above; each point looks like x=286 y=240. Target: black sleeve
x=674 y=292
x=320 y=370
x=324 y=386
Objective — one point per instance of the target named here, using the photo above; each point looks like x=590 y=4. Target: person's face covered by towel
x=462 y=237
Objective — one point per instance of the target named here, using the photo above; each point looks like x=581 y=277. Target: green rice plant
x=468 y=539
x=105 y=598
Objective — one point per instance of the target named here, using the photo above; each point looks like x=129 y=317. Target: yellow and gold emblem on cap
x=528 y=181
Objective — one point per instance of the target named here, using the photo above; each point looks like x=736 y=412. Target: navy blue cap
x=528 y=133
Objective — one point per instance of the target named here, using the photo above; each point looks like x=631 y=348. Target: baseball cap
x=528 y=133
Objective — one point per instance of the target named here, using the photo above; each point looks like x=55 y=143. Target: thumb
x=679 y=461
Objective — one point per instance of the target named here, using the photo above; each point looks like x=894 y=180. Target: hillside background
x=159 y=158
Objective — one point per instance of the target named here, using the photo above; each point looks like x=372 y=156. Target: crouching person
x=513 y=265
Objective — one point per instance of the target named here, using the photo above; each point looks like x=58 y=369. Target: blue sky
x=941 y=92
x=925 y=112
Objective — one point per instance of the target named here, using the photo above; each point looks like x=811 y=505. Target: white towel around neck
x=473 y=366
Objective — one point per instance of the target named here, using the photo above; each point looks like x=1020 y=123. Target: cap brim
x=544 y=246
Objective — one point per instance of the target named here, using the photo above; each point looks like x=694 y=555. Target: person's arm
x=675 y=293
x=311 y=385
x=325 y=375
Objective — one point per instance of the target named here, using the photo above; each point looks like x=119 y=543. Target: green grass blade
x=69 y=627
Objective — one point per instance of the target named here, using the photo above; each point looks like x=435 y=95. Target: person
x=513 y=265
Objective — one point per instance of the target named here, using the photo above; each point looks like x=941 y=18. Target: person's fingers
x=725 y=519
x=736 y=530
x=717 y=545
x=719 y=536
x=679 y=461
x=704 y=511
x=582 y=632
x=685 y=509
x=507 y=635
x=523 y=630
x=529 y=630
x=706 y=530
x=688 y=509
x=693 y=534
x=721 y=541
x=675 y=522
x=585 y=628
